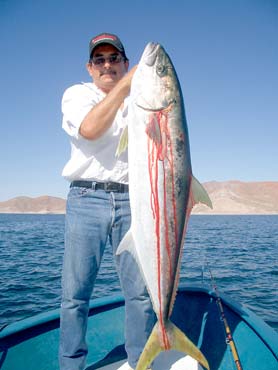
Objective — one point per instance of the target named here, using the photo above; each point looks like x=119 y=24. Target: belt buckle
x=111 y=186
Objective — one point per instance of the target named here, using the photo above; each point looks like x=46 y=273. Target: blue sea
x=240 y=251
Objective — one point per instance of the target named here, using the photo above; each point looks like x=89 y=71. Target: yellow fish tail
x=177 y=341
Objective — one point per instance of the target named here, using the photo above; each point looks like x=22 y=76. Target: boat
x=32 y=343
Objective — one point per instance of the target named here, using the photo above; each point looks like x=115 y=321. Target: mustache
x=108 y=72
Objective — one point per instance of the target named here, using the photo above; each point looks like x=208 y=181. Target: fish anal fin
x=127 y=244
x=199 y=193
x=178 y=341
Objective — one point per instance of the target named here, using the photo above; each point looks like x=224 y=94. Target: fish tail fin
x=151 y=350
x=180 y=342
x=177 y=340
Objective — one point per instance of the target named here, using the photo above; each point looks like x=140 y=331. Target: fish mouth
x=150 y=53
x=158 y=109
x=156 y=97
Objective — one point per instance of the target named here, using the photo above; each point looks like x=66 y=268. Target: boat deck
x=170 y=360
x=33 y=343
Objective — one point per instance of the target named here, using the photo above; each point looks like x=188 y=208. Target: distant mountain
x=43 y=204
x=229 y=197
x=236 y=197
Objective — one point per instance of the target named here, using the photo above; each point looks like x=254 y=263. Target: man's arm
x=102 y=115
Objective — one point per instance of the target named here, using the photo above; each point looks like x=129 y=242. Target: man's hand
x=102 y=115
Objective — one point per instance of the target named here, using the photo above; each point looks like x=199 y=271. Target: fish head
x=155 y=85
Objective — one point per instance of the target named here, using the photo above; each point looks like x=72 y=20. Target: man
x=98 y=211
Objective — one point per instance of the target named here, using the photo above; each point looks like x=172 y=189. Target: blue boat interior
x=34 y=341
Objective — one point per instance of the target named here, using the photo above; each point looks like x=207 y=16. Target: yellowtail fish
x=163 y=192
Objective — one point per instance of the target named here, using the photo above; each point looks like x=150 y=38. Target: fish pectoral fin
x=123 y=142
x=127 y=244
x=177 y=340
x=153 y=129
x=199 y=193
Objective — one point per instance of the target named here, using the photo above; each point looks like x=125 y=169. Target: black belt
x=109 y=186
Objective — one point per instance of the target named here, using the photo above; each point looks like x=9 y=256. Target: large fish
x=162 y=193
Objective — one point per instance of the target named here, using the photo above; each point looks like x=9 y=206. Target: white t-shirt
x=93 y=160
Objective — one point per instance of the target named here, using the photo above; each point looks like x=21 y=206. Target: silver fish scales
x=163 y=192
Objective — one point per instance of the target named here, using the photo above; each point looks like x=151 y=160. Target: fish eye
x=161 y=70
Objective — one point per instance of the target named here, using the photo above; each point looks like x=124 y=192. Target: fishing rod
x=229 y=337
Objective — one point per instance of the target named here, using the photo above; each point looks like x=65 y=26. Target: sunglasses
x=113 y=59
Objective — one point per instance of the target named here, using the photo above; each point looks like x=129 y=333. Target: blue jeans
x=95 y=219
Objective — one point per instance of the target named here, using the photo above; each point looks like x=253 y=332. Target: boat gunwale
x=44 y=322
x=265 y=332
x=40 y=323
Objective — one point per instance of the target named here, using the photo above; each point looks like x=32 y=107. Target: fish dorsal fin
x=123 y=142
x=199 y=193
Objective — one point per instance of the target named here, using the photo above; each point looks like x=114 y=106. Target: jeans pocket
x=77 y=192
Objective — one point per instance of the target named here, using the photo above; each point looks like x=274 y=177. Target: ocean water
x=240 y=251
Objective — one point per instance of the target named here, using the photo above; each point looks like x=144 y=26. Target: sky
x=225 y=53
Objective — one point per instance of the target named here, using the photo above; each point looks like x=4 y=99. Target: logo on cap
x=104 y=37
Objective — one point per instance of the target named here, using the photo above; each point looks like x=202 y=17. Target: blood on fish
x=160 y=153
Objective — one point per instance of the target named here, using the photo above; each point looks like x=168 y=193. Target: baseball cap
x=106 y=38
